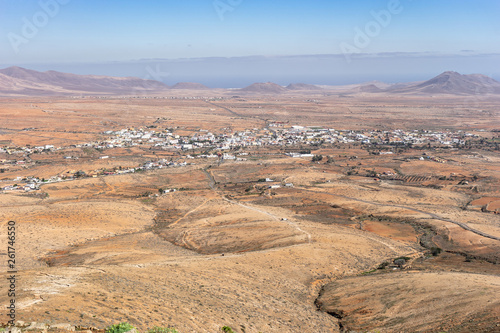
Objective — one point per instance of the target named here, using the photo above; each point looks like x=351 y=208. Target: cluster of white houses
x=278 y=136
x=274 y=134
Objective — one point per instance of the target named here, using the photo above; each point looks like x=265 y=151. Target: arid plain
x=266 y=242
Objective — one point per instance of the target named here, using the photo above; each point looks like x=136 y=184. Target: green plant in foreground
x=157 y=329
x=227 y=329
x=119 y=328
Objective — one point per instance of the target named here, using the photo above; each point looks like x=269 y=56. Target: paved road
x=228 y=110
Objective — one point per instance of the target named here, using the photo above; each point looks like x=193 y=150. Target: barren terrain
x=263 y=243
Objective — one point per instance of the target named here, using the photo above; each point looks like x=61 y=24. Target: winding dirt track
x=431 y=215
x=211 y=183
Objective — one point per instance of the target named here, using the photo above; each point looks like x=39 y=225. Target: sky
x=124 y=37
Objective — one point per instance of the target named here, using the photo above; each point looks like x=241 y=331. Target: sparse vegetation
x=369 y=272
x=104 y=218
x=383 y=265
x=227 y=329
x=317 y=158
x=435 y=251
x=119 y=328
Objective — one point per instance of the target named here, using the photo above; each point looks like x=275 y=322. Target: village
x=278 y=135
x=225 y=146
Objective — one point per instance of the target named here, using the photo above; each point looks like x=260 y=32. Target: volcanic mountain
x=18 y=80
x=453 y=83
x=264 y=88
x=368 y=88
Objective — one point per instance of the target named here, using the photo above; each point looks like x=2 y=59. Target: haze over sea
x=223 y=43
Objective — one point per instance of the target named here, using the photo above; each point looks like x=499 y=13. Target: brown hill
x=189 y=85
x=413 y=302
x=453 y=83
x=302 y=86
x=368 y=88
x=19 y=86
x=18 y=80
x=264 y=88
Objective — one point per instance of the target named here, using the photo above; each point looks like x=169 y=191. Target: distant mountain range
x=17 y=81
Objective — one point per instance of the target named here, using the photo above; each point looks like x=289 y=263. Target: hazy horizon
x=237 y=72
x=222 y=43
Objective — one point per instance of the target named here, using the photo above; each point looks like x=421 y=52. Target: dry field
x=225 y=249
x=73 y=120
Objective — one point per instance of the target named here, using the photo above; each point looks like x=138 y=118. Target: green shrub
x=227 y=329
x=435 y=251
x=317 y=158
x=383 y=265
x=157 y=329
x=119 y=328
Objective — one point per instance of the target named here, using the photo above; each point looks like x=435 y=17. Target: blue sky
x=97 y=31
